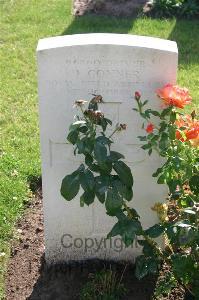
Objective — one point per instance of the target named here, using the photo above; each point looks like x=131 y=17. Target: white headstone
x=115 y=66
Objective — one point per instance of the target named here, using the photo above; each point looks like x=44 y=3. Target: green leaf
x=194 y=184
x=161 y=179
x=80 y=146
x=173 y=184
x=83 y=129
x=105 y=167
x=155 y=113
x=182 y=225
x=149 y=112
x=79 y=123
x=87 y=180
x=93 y=105
x=76 y=125
x=125 y=191
x=145 y=265
x=134 y=214
x=127 y=229
x=154 y=138
x=116 y=230
x=163 y=126
x=73 y=136
x=101 y=197
x=164 y=141
x=124 y=173
x=104 y=124
x=158 y=171
x=70 y=185
x=101 y=187
x=100 y=152
x=145 y=102
x=155 y=231
x=189 y=211
x=166 y=111
x=183 y=267
x=177 y=163
x=108 y=121
x=114 y=156
x=173 y=116
x=103 y=140
x=102 y=183
x=113 y=202
x=146 y=146
x=172 y=132
x=95 y=168
x=141 y=267
x=152 y=266
x=85 y=145
x=148 y=250
x=88 y=145
x=142 y=138
x=120 y=215
x=88 y=160
x=87 y=197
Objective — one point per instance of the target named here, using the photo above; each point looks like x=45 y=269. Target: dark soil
x=28 y=277
x=118 y=8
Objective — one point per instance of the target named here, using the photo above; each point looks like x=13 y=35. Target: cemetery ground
x=22 y=24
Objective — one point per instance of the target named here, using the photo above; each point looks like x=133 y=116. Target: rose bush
x=105 y=176
x=175 y=137
x=175 y=8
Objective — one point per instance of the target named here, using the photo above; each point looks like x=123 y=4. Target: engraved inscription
x=59 y=153
x=98 y=75
x=137 y=64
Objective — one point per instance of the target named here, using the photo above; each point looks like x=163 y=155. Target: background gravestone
x=115 y=66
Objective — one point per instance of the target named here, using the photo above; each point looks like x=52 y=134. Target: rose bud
x=123 y=126
x=88 y=112
x=193 y=114
x=149 y=128
x=137 y=96
x=97 y=99
x=98 y=114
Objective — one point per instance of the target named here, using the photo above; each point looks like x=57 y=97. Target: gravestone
x=115 y=66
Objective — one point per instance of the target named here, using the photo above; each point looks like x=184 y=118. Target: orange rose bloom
x=174 y=95
x=191 y=130
x=150 y=128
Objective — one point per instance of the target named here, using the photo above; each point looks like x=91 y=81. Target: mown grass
x=22 y=23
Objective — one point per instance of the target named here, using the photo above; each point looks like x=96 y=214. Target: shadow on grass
x=94 y=24
x=34 y=182
x=185 y=33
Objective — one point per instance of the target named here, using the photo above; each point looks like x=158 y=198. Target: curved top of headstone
x=107 y=39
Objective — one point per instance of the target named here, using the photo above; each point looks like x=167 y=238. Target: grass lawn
x=22 y=23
